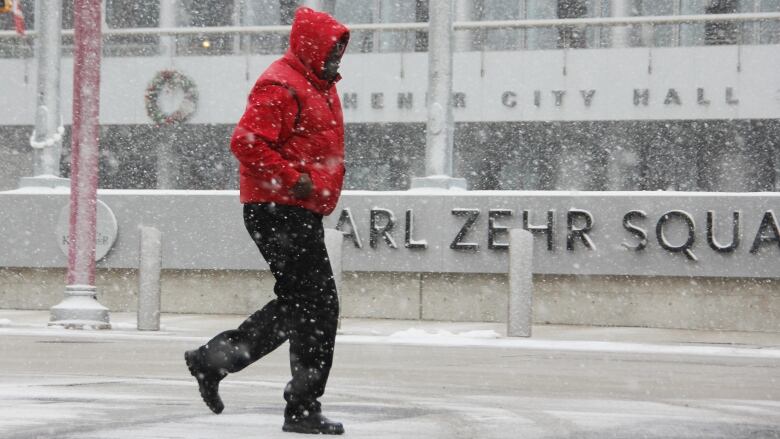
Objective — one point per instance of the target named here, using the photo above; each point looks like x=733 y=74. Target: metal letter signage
x=734 y=234
x=559 y=94
x=346 y=218
x=384 y=230
x=731 y=99
x=349 y=101
x=377 y=101
x=672 y=97
x=587 y=96
x=494 y=229
x=700 y=99
x=409 y=241
x=639 y=232
x=471 y=217
x=405 y=101
x=641 y=97
x=579 y=232
x=769 y=221
x=549 y=229
x=509 y=99
x=636 y=233
x=686 y=234
x=683 y=248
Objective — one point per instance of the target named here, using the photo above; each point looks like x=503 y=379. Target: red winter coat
x=293 y=122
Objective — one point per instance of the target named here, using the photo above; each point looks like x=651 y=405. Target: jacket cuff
x=289 y=177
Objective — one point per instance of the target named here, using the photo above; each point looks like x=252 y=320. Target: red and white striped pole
x=18 y=18
x=80 y=307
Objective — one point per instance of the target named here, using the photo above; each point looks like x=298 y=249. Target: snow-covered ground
x=396 y=379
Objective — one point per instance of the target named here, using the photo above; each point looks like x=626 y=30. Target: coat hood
x=313 y=36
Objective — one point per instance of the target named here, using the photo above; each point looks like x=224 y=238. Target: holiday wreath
x=171 y=79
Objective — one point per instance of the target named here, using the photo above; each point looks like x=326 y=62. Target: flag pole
x=46 y=138
x=80 y=308
x=18 y=17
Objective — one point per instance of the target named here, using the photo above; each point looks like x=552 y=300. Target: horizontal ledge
x=423 y=26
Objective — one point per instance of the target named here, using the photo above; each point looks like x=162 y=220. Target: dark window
x=354 y=12
x=572 y=36
x=18 y=47
x=287 y=11
x=67 y=15
x=132 y=14
x=28 y=9
x=421 y=16
x=68 y=19
x=721 y=32
x=207 y=14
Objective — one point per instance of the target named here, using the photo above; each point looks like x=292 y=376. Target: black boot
x=208 y=381
x=312 y=423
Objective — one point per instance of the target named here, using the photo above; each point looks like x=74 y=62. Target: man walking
x=290 y=148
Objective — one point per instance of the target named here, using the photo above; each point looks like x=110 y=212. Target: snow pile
x=127 y=326
x=133 y=326
x=486 y=333
x=39 y=190
x=4 y=322
x=439 y=333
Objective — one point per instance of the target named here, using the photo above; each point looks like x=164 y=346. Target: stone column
x=620 y=34
x=168 y=20
x=166 y=160
x=464 y=11
x=46 y=139
x=440 y=123
x=328 y=6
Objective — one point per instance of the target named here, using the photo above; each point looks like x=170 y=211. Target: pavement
x=396 y=379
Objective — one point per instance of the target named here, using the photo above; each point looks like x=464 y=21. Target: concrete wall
x=664 y=302
x=209 y=266
x=204 y=230
x=494 y=85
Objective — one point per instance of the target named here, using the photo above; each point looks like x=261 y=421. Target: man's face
x=331 y=68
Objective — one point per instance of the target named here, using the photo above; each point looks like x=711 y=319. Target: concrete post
x=314 y=4
x=237 y=20
x=328 y=6
x=334 y=242
x=620 y=34
x=464 y=12
x=168 y=20
x=46 y=139
x=520 y=310
x=440 y=124
x=166 y=159
x=149 y=279
x=247 y=17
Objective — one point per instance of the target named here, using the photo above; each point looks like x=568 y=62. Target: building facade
x=686 y=107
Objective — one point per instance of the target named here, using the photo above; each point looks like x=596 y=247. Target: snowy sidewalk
x=396 y=379
x=200 y=327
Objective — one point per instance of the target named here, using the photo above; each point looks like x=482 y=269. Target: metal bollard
x=334 y=241
x=149 y=279
x=520 y=310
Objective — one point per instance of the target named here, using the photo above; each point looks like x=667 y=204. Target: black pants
x=305 y=311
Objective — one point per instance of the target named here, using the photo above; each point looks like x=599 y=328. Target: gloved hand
x=303 y=187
